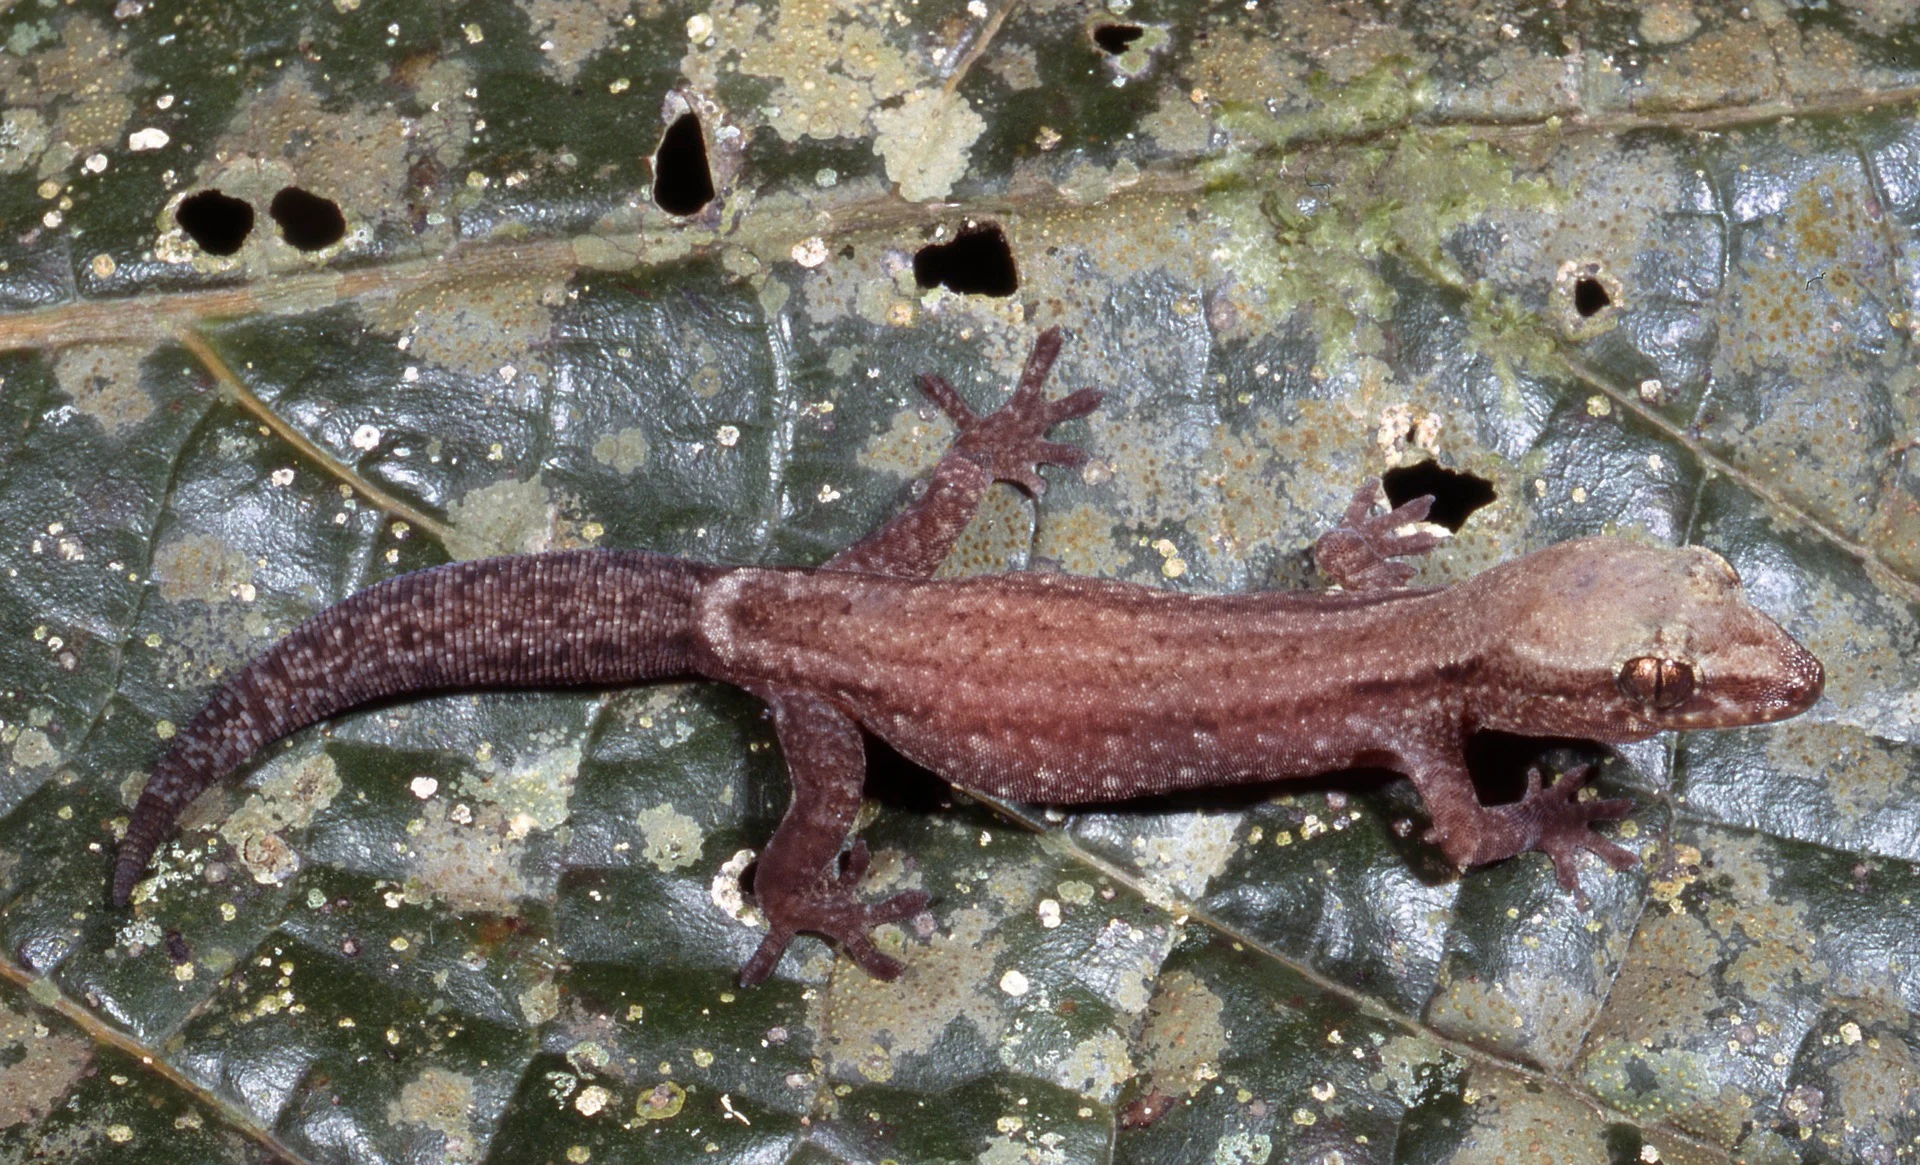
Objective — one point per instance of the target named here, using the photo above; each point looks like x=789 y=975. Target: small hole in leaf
x=1455 y=495
x=1114 y=38
x=307 y=221
x=979 y=262
x=217 y=223
x=1590 y=296
x=682 y=180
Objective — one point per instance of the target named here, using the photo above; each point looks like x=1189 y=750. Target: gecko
x=1050 y=688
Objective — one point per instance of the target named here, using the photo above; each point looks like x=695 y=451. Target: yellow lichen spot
x=663 y=1102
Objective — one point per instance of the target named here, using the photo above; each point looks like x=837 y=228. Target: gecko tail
x=573 y=617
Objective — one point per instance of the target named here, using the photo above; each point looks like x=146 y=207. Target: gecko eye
x=1657 y=681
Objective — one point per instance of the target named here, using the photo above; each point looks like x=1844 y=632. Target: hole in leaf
x=1455 y=495
x=1590 y=297
x=217 y=223
x=307 y=221
x=1498 y=762
x=682 y=180
x=1114 y=38
x=979 y=262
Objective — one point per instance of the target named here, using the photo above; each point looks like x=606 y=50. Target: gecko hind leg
x=1359 y=553
x=802 y=882
x=1008 y=444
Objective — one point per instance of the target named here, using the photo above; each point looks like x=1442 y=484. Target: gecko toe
x=1074 y=405
x=766 y=957
x=897 y=908
x=869 y=959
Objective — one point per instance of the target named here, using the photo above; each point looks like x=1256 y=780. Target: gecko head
x=1615 y=641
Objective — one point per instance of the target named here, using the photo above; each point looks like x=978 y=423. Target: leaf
x=1645 y=277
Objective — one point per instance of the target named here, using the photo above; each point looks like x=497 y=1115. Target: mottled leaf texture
x=296 y=297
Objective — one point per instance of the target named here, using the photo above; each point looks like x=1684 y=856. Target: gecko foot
x=1556 y=822
x=832 y=908
x=1359 y=552
x=1010 y=442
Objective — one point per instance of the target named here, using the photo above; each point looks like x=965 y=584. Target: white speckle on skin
x=1014 y=983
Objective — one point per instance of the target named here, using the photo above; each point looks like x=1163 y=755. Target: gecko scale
x=1051 y=688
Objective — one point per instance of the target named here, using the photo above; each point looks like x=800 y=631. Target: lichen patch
x=569 y=32
x=673 y=840
x=925 y=140
x=507 y=517
x=442 y=1100
x=40 y=1068
x=103 y=381
x=288 y=797
x=200 y=567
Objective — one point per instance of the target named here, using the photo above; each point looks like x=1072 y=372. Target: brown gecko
x=1050 y=688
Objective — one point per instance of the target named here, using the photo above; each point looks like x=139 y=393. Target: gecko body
x=1050 y=688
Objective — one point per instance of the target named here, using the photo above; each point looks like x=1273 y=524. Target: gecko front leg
x=1549 y=818
x=1359 y=553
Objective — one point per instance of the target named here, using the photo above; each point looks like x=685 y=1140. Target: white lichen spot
x=33 y=750
x=673 y=840
x=507 y=517
x=424 y=787
x=540 y=1002
x=1014 y=983
x=147 y=139
x=810 y=252
x=624 y=450
x=592 y=1100
x=924 y=142
x=366 y=438
x=726 y=893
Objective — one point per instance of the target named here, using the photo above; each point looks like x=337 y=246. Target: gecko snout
x=1803 y=680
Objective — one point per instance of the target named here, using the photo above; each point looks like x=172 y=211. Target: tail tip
x=125 y=873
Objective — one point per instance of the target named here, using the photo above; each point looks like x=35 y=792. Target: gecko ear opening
x=1656 y=681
